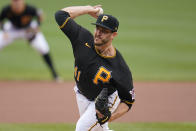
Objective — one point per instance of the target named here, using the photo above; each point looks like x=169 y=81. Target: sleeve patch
x=132 y=92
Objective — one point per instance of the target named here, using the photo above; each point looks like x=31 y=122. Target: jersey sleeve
x=3 y=15
x=70 y=28
x=126 y=90
x=36 y=13
x=124 y=84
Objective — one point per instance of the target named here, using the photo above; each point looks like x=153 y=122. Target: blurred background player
x=23 y=22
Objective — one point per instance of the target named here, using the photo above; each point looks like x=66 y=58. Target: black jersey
x=94 y=72
x=20 y=20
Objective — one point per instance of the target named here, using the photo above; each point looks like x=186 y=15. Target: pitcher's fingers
x=97 y=6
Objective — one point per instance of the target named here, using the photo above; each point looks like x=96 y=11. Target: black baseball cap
x=108 y=22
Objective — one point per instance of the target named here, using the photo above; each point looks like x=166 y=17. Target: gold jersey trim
x=128 y=102
x=65 y=22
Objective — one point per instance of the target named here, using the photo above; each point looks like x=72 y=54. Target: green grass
x=114 y=126
x=156 y=38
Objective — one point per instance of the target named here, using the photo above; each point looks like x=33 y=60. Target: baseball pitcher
x=104 y=87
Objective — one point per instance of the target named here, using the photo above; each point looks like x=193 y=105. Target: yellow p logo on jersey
x=104 y=18
x=103 y=75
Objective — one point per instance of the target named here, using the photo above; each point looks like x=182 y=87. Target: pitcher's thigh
x=88 y=121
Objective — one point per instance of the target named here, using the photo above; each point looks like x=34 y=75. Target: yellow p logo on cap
x=104 y=18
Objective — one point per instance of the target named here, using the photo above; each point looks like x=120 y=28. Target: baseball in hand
x=100 y=11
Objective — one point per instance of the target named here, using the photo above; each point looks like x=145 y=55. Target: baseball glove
x=101 y=105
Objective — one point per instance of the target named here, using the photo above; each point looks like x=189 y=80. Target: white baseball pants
x=88 y=120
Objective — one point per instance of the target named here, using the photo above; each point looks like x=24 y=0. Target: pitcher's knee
x=82 y=126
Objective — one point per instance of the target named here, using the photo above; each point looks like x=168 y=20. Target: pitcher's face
x=102 y=36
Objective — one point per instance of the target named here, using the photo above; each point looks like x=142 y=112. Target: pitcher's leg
x=82 y=101
x=87 y=121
